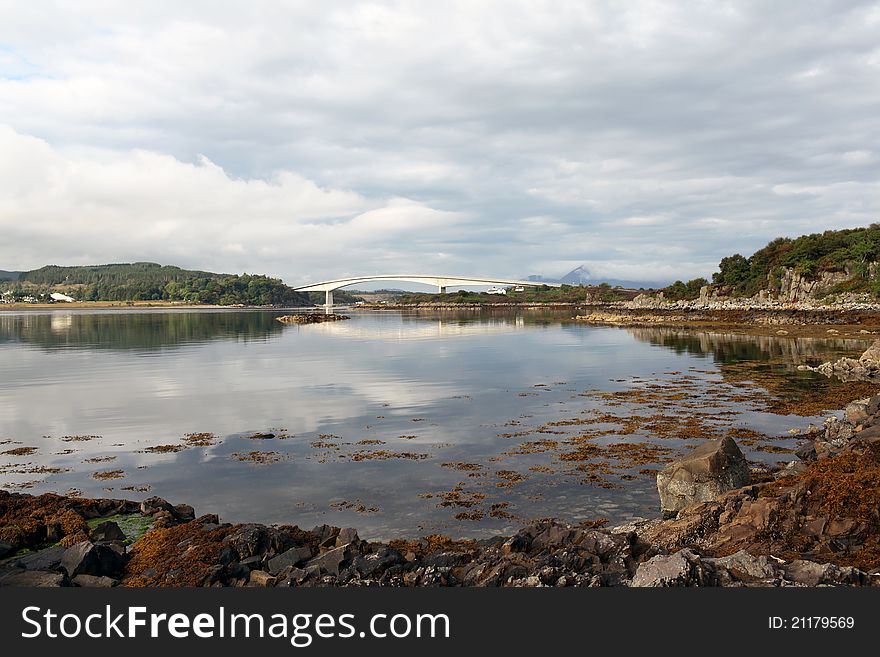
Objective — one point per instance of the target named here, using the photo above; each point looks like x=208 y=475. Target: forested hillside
x=148 y=281
x=836 y=261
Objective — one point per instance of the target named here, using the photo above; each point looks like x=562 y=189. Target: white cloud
x=510 y=137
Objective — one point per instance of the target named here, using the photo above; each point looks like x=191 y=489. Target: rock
x=106 y=532
x=684 y=568
x=814 y=574
x=94 y=581
x=261 y=578
x=91 y=559
x=334 y=560
x=744 y=567
x=377 y=562
x=292 y=557
x=856 y=412
x=183 y=512
x=701 y=476
x=6 y=549
x=153 y=505
x=34 y=579
x=520 y=542
x=347 y=535
x=872 y=353
x=806 y=452
x=792 y=469
x=42 y=560
x=869 y=435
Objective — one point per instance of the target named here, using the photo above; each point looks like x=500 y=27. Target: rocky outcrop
x=311 y=318
x=795 y=287
x=709 y=470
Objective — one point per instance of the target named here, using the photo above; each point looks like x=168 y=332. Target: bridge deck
x=440 y=281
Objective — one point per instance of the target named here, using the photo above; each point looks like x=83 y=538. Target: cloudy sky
x=314 y=140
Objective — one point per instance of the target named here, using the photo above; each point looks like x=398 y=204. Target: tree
x=733 y=270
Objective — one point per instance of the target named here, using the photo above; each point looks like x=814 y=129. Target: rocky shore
x=814 y=522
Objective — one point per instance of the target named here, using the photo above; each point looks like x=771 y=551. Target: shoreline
x=811 y=523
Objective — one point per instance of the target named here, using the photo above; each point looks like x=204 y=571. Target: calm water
x=366 y=412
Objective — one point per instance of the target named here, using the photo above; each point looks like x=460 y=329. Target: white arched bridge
x=442 y=282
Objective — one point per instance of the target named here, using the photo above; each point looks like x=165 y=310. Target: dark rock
x=444 y=559
x=252 y=563
x=323 y=532
x=376 y=562
x=43 y=560
x=249 y=540
x=292 y=557
x=228 y=555
x=183 y=512
x=706 y=472
x=520 y=542
x=34 y=579
x=334 y=560
x=6 y=549
x=684 y=568
x=91 y=559
x=553 y=536
x=807 y=451
x=94 y=581
x=153 y=505
x=252 y=539
x=106 y=532
x=347 y=535
x=791 y=469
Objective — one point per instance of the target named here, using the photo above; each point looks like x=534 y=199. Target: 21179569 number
x=811 y=623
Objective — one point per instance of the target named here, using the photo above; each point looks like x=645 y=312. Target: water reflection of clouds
x=464 y=376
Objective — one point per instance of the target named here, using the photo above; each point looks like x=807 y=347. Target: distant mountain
x=9 y=275
x=582 y=276
x=578 y=276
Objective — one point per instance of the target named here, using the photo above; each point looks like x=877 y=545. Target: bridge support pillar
x=441 y=289
x=328 y=301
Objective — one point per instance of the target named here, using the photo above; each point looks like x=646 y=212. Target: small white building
x=57 y=296
x=496 y=290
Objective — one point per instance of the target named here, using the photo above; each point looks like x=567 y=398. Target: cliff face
x=795 y=288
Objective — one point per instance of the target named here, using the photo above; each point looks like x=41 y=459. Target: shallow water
x=435 y=389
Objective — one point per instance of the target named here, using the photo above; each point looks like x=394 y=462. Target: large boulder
x=87 y=558
x=711 y=469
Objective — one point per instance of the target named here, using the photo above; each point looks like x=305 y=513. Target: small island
x=311 y=318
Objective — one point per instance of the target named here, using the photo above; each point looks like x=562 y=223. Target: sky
x=312 y=141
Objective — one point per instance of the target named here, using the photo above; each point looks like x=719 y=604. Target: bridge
x=442 y=282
